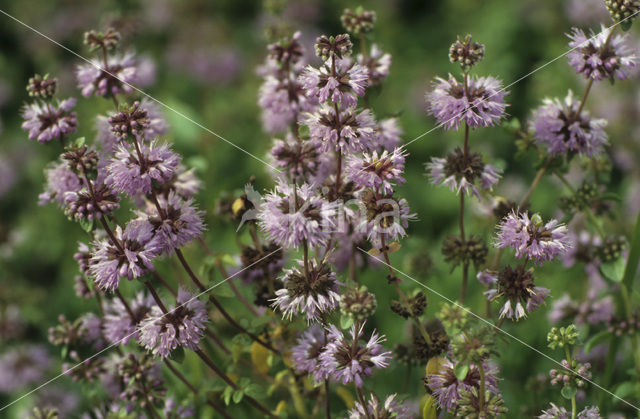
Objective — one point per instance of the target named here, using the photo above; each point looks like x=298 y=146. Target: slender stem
x=567 y=353
x=164 y=283
x=236 y=291
x=156 y=297
x=126 y=306
x=534 y=184
x=180 y=377
x=230 y=382
x=482 y=387
x=105 y=60
x=363 y=402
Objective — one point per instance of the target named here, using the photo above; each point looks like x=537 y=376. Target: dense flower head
x=593 y=310
x=347 y=359
x=91 y=203
x=375 y=408
x=623 y=9
x=108 y=39
x=481 y=105
x=460 y=173
x=118 y=327
x=140 y=378
x=307 y=349
x=388 y=134
x=377 y=171
x=184 y=182
x=183 y=325
x=313 y=293
x=122 y=72
x=59 y=181
x=178 y=223
x=290 y=217
x=130 y=120
x=358 y=21
x=283 y=100
x=134 y=170
x=557 y=126
x=338 y=46
x=342 y=81
x=571 y=374
x=300 y=160
x=531 y=238
x=377 y=63
x=447 y=388
x=559 y=412
x=288 y=50
x=350 y=131
x=517 y=288
x=46 y=121
x=138 y=246
x=598 y=59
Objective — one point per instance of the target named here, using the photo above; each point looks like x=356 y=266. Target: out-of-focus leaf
x=346 y=322
x=568 y=392
x=595 y=340
x=178 y=355
x=260 y=357
x=429 y=410
x=346 y=395
x=614 y=270
x=461 y=371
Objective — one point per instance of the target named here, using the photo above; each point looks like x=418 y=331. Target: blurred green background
x=206 y=54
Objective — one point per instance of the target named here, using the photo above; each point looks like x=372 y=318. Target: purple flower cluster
x=182 y=325
x=122 y=72
x=347 y=359
x=342 y=81
x=374 y=408
x=558 y=127
x=601 y=56
x=118 y=327
x=531 y=238
x=377 y=172
x=131 y=257
x=479 y=104
x=309 y=346
x=46 y=121
x=348 y=131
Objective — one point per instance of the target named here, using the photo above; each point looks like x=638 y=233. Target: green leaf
x=86 y=224
x=614 y=270
x=346 y=322
x=568 y=392
x=223 y=290
x=237 y=396
x=429 y=409
x=64 y=352
x=596 y=340
x=228 y=392
x=79 y=142
x=461 y=371
x=178 y=355
x=625 y=389
x=626 y=25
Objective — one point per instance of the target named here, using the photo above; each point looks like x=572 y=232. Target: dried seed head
x=466 y=53
x=358 y=21
x=473 y=250
x=358 y=303
x=611 y=249
x=42 y=86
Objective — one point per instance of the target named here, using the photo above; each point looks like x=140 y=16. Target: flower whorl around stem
x=118 y=326
x=557 y=126
x=350 y=131
x=123 y=72
x=46 y=121
x=596 y=59
x=313 y=294
x=59 y=181
x=377 y=63
x=85 y=204
x=460 y=174
x=182 y=325
x=482 y=105
x=518 y=289
x=531 y=238
x=289 y=222
x=346 y=359
x=344 y=86
x=374 y=408
x=139 y=246
x=308 y=346
x=377 y=172
x=131 y=173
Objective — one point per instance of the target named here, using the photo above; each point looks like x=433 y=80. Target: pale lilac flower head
x=377 y=63
x=342 y=83
x=374 y=408
x=183 y=325
x=377 y=172
x=557 y=127
x=138 y=247
x=118 y=326
x=131 y=172
x=289 y=222
x=282 y=102
x=340 y=362
x=46 y=121
x=386 y=216
x=482 y=105
x=314 y=294
x=447 y=389
x=59 y=180
x=179 y=223
x=123 y=71
x=350 y=131
x=308 y=347
x=531 y=238
x=299 y=160
x=590 y=57
x=461 y=174
x=555 y=412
